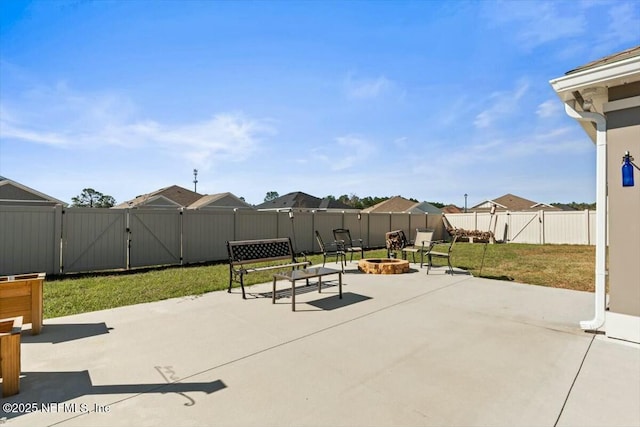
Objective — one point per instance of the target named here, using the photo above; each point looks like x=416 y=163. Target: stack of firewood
x=476 y=234
x=461 y=232
x=395 y=240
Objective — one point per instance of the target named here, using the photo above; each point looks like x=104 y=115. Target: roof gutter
x=601 y=211
x=619 y=71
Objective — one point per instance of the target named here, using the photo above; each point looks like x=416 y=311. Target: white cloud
x=588 y=27
x=549 y=108
x=554 y=142
x=348 y=151
x=501 y=104
x=537 y=23
x=66 y=119
x=623 y=17
x=354 y=150
x=402 y=142
x=367 y=88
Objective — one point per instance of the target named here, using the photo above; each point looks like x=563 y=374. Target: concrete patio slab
x=397 y=350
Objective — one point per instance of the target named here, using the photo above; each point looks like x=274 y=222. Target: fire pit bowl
x=383 y=266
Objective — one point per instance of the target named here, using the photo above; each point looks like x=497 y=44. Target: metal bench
x=252 y=252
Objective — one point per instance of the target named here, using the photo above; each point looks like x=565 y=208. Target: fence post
x=235 y=223
x=313 y=227
x=182 y=235
x=59 y=212
x=369 y=229
x=541 y=221
x=128 y=239
x=587 y=228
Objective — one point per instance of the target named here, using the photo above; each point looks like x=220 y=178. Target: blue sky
x=424 y=99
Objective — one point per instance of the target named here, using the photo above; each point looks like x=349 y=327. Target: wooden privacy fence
x=71 y=240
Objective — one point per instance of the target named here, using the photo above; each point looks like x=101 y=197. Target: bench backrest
x=250 y=251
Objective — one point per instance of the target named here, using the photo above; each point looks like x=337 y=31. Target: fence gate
x=524 y=227
x=93 y=239
x=154 y=237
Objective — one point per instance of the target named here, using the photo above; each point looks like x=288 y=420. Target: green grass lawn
x=560 y=266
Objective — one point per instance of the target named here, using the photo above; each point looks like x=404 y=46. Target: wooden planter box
x=21 y=295
x=10 y=355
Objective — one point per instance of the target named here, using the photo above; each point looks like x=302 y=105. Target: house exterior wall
x=11 y=195
x=159 y=203
x=623 y=134
x=14 y=193
x=226 y=202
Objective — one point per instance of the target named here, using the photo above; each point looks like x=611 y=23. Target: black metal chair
x=342 y=237
x=431 y=254
x=331 y=249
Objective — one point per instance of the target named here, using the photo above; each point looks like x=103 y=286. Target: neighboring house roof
x=451 y=209
x=425 y=207
x=564 y=207
x=392 y=204
x=510 y=202
x=219 y=200
x=300 y=200
x=13 y=193
x=400 y=204
x=328 y=203
x=169 y=197
x=625 y=54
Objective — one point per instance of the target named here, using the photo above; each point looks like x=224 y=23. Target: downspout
x=601 y=212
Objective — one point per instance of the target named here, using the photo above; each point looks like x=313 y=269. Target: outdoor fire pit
x=383 y=266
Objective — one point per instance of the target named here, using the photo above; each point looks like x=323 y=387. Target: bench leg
x=241 y=284
x=10 y=364
x=273 y=292
x=293 y=295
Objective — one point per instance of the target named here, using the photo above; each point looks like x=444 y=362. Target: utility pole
x=195 y=180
